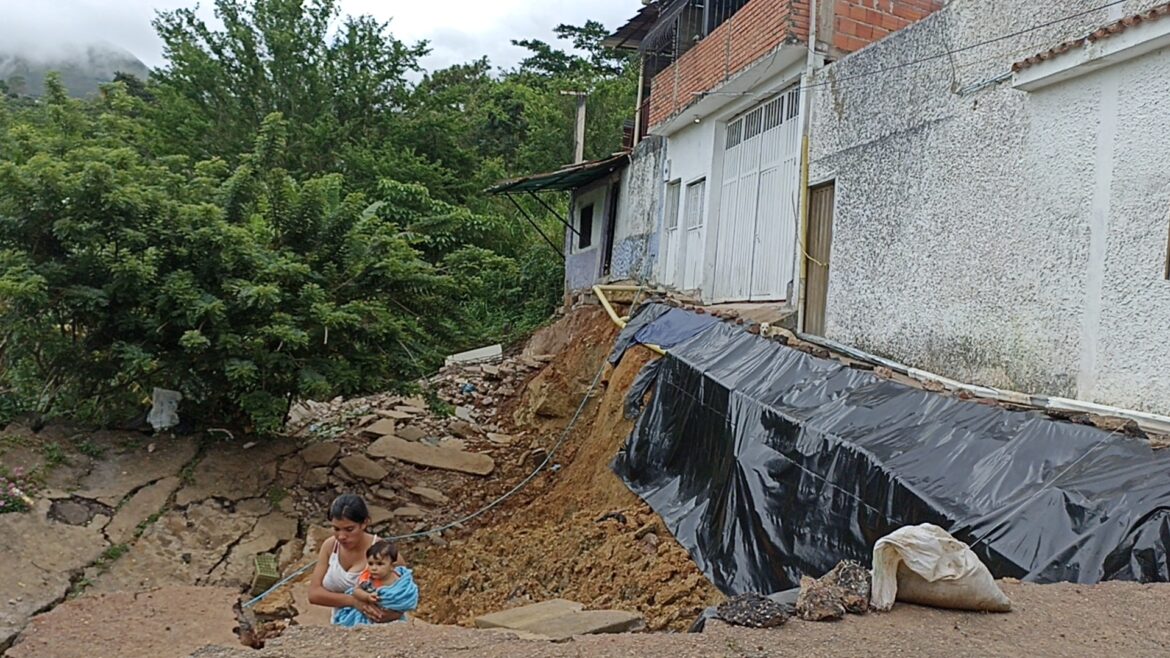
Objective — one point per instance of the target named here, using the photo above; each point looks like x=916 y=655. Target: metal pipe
x=600 y=292
x=560 y=250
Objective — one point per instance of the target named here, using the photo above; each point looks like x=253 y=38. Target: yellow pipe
x=600 y=292
x=804 y=168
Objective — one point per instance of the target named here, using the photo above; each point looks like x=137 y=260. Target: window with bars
x=694 y=205
x=673 y=189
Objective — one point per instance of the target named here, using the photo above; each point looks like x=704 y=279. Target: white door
x=695 y=234
x=671 y=244
x=757 y=229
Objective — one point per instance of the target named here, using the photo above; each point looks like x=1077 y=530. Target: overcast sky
x=459 y=30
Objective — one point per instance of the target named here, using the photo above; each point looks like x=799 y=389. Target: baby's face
x=379 y=566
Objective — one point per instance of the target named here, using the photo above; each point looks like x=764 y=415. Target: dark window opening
x=585 y=228
x=682 y=24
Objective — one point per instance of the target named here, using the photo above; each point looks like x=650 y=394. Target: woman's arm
x=318 y=595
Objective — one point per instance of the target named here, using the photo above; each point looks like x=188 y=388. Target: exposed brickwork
x=759 y=28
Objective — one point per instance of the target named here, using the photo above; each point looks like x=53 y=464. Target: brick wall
x=759 y=28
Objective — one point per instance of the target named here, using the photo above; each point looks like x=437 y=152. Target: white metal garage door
x=756 y=244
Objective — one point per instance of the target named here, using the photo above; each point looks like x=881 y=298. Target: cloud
x=459 y=30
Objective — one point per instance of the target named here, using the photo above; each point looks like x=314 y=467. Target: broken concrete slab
x=35 y=572
x=320 y=454
x=174 y=621
x=269 y=532
x=71 y=512
x=430 y=495
x=528 y=614
x=392 y=415
x=379 y=515
x=391 y=447
x=472 y=356
x=113 y=478
x=146 y=502
x=411 y=433
x=410 y=512
x=463 y=429
x=364 y=468
x=315 y=479
x=463 y=413
x=231 y=472
x=383 y=427
x=412 y=411
x=501 y=439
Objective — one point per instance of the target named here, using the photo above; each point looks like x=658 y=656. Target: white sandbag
x=924 y=564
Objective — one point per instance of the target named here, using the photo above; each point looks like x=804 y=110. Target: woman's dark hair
x=384 y=549
x=349 y=507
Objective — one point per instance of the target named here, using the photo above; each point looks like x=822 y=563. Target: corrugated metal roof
x=630 y=35
x=1099 y=34
x=570 y=177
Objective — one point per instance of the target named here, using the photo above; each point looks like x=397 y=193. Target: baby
x=382 y=584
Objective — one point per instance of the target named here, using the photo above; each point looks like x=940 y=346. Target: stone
x=501 y=439
x=232 y=473
x=409 y=410
x=112 y=479
x=388 y=495
x=558 y=620
x=364 y=468
x=411 y=433
x=35 y=572
x=453 y=444
x=528 y=614
x=392 y=415
x=383 y=427
x=146 y=502
x=854 y=581
x=752 y=610
x=315 y=479
x=256 y=507
x=819 y=601
x=491 y=371
x=463 y=413
x=390 y=447
x=380 y=515
x=430 y=495
x=463 y=429
x=321 y=454
x=410 y=512
x=71 y=512
x=472 y=356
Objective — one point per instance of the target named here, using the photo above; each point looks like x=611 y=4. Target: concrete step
x=560 y=619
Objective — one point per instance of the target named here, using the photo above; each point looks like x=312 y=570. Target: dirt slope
x=551 y=542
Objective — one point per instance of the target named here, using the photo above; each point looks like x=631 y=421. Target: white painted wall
x=690 y=153
x=1004 y=237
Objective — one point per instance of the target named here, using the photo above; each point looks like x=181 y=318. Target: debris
x=410 y=512
x=392 y=414
x=315 y=479
x=482 y=354
x=392 y=447
x=411 y=433
x=752 y=610
x=819 y=601
x=924 y=564
x=320 y=454
x=363 y=468
x=463 y=413
x=380 y=515
x=463 y=429
x=560 y=619
x=501 y=439
x=381 y=428
x=430 y=495
x=164 y=410
x=854 y=581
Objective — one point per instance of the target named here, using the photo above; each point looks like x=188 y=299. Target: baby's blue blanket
x=402 y=597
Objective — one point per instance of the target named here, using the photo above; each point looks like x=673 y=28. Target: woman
x=343 y=557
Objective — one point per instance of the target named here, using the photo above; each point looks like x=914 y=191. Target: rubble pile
x=845 y=589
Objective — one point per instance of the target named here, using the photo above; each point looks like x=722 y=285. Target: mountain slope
x=83 y=69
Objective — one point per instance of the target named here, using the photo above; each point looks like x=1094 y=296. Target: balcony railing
x=683 y=23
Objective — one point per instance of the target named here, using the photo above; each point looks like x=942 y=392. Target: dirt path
x=1114 y=619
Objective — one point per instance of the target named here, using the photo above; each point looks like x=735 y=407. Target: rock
x=392 y=415
x=411 y=410
x=491 y=371
x=390 y=447
x=277 y=605
x=388 y=495
x=383 y=427
x=364 y=468
x=430 y=495
x=463 y=429
x=146 y=502
x=256 y=507
x=649 y=528
x=819 y=602
x=854 y=582
x=752 y=610
x=410 y=512
x=453 y=444
x=71 y=512
x=232 y=473
x=321 y=454
x=411 y=433
x=315 y=479
x=380 y=515
x=463 y=413
x=112 y=479
x=501 y=439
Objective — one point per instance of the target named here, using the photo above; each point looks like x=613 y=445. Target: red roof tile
x=1099 y=34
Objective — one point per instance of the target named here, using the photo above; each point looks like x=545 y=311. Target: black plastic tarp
x=767 y=463
x=661 y=325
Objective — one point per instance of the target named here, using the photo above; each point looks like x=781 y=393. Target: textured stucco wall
x=635 y=244
x=583 y=266
x=995 y=235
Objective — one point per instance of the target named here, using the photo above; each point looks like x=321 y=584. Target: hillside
x=83 y=69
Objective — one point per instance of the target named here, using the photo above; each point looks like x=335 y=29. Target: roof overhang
x=1112 y=44
x=630 y=35
x=570 y=177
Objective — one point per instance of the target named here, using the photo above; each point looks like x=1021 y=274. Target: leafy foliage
x=278 y=213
